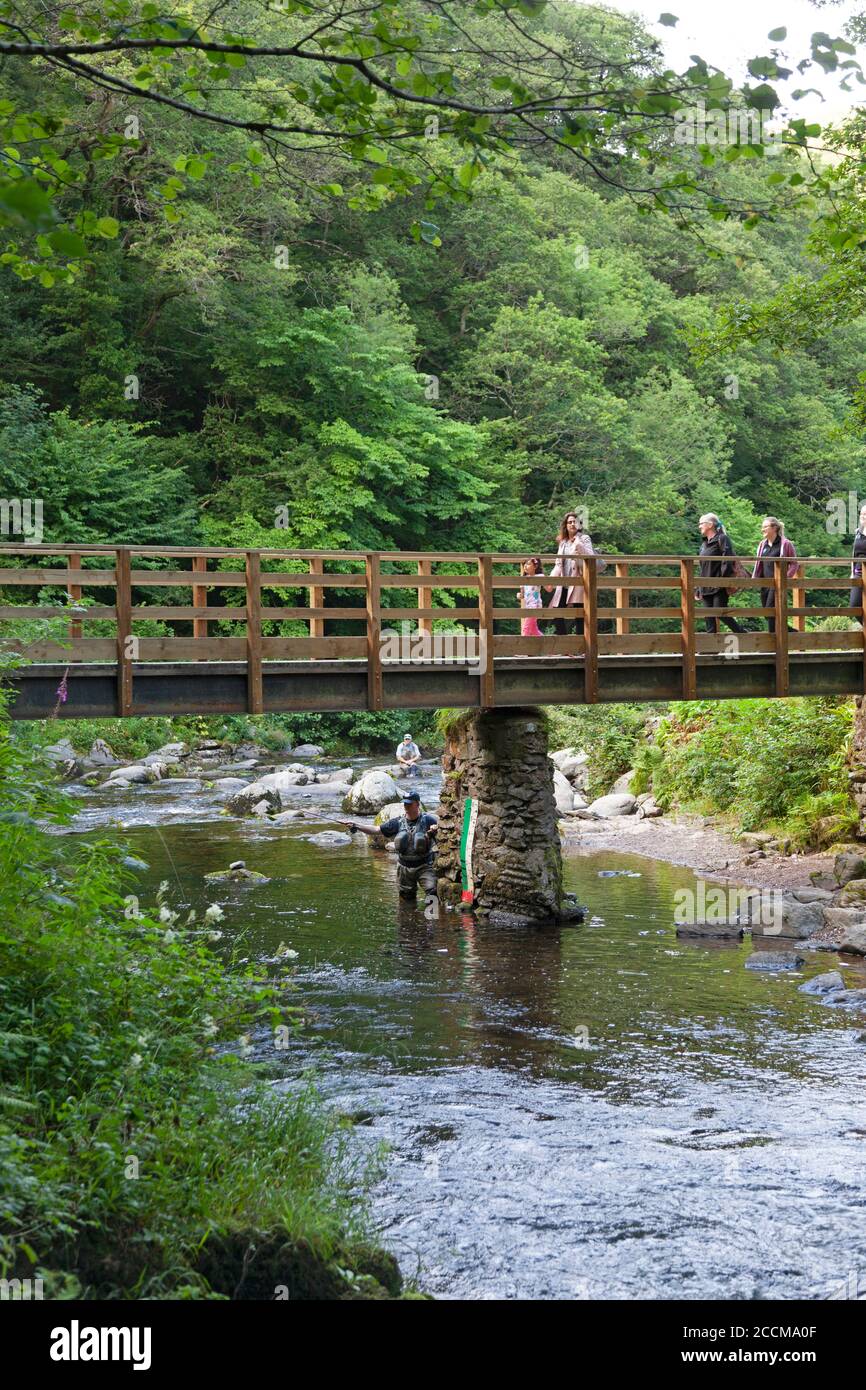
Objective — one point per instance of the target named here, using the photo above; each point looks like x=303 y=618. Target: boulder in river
x=137 y=773
x=775 y=960
x=307 y=750
x=101 y=755
x=286 y=817
x=330 y=839
x=236 y=873
x=59 y=752
x=371 y=792
x=827 y=983
x=242 y=803
x=720 y=931
x=854 y=893
x=615 y=804
x=854 y=941
x=340 y=774
x=850 y=864
x=563 y=794
x=623 y=783
x=791 y=919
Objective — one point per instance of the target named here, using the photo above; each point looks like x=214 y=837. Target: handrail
x=474 y=595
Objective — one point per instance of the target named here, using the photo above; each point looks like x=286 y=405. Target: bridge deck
x=346 y=630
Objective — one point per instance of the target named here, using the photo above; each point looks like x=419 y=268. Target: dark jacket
x=424 y=825
x=857 y=554
x=712 y=565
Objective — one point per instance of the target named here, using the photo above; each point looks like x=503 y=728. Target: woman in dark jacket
x=773 y=542
x=715 y=548
x=858 y=555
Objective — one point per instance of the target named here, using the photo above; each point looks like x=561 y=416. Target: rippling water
x=602 y=1111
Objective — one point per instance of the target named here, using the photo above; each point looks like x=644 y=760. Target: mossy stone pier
x=498 y=758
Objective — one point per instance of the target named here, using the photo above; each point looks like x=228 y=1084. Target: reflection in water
x=596 y=1111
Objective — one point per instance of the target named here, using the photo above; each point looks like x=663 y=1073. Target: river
x=604 y=1111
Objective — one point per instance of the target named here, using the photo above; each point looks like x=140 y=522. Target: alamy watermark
x=419 y=647
x=22 y=517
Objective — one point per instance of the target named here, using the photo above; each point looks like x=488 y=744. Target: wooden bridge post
x=317 y=600
x=622 y=600
x=687 y=609
x=255 y=697
x=799 y=600
x=373 y=586
x=487 y=676
x=590 y=629
x=425 y=599
x=199 y=596
x=781 y=636
x=123 y=611
x=73 y=562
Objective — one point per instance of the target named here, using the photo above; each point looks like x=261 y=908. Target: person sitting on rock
x=408 y=756
x=414 y=836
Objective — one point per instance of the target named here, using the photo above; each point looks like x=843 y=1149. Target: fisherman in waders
x=414 y=836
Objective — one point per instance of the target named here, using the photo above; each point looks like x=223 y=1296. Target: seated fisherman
x=408 y=755
x=414 y=836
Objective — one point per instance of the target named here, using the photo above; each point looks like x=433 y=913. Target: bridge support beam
x=498 y=795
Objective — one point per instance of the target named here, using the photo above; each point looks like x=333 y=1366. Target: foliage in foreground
x=139 y=1156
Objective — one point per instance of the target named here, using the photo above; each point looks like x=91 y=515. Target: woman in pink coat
x=573 y=543
x=774 y=542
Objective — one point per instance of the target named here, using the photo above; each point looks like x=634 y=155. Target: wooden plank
x=73 y=561
x=780 y=577
x=192 y=648
x=317 y=601
x=313 y=648
x=487 y=674
x=622 y=627
x=101 y=649
x=825 y=641
x=425 y=599
x=449 y=614
x=185 y=612
x=255 y=698
x=16 y=612
x=640 y=644
x=440 y=581
x=649 y=581
x=199 y=596
x=102 y=579
x=286 y=614
x=374 y=633
x=125 y=640
x=590 y=604
x=799 y=597
x=183 y=579
x=512 y=645
x=285 y=579
x=687 y=628
x=717 y=644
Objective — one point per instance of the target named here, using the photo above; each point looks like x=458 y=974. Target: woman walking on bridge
x=774 y=542
x=716 y=565
x=573 y=543
x=858 y=554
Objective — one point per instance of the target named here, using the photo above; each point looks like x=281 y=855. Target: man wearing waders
x=414 y=834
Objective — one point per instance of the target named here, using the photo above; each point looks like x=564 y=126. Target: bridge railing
x=105 y=604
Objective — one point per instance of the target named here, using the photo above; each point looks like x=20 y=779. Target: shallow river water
x=603 y=1111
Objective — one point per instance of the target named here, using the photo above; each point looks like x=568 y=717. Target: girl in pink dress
x=530 y=597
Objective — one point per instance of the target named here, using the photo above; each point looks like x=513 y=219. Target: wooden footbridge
x=148 y=630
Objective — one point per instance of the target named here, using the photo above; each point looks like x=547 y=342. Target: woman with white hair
x=773 y=542
x=715 y=566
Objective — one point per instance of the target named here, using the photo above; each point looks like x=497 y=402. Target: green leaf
x=778 y=34
x=669 y=20
x=68 y=243
x=107 y=227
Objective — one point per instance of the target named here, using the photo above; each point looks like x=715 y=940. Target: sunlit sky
x=727 y=33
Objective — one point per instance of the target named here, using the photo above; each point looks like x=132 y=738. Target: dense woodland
x=249 y=352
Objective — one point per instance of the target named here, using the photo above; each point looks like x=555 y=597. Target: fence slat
x=590 y=608
x=487 y=676
x=781 y=638
x=372 y=569
x=123 y=609
x=255 y=698
x=199 y=596
x=623 y=598
x=687 y=618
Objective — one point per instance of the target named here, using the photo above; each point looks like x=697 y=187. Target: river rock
x=101 y=755
x=623 y=783
x=812 y=895
x=243 y=803
x=722 y=931
x=794 y=920
x=579 y=802
x=307 y=750
x=330 y=839
x=370 y=793
x=854 y=893
x=774 y=960
x=759 y=838
x=844 y=916
x=614 y=804
x=286 y=817
x=136 y=773
x=321 y=791
x=563 y=794
x=854 y=941
x=648 y=809
x=59 y=752
x=229 y=784
x=168 y=753
x=238 y=873
x=340 y=774
x=848 y=865
x=827 y=983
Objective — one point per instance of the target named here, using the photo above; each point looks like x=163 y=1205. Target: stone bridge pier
x=498 y=840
